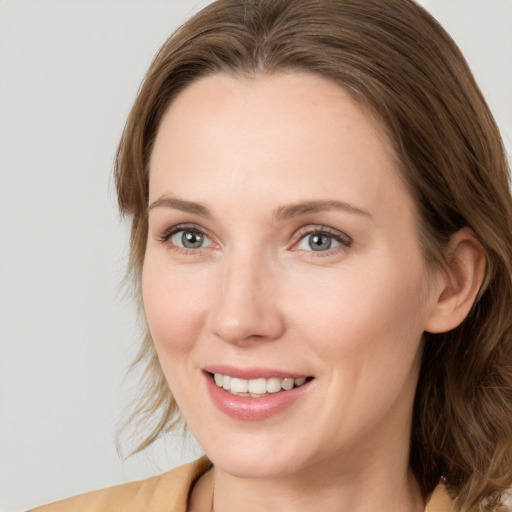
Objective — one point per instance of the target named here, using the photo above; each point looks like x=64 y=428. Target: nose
x=245 y=308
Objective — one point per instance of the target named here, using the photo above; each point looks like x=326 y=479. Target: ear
x=458 y=282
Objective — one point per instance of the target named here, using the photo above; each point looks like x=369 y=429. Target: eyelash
x=187 y=228
x=341 y=238
x=344 y=240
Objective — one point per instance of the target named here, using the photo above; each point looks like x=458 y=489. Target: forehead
x=299 y=133
x=298 y=99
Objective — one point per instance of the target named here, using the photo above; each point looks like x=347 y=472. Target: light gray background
x=69 y=71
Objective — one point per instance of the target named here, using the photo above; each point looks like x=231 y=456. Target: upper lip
x=252 y=372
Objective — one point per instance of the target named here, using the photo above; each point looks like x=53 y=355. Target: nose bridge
x=244 y=307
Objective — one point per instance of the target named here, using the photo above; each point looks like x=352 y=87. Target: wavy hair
x=395 y=58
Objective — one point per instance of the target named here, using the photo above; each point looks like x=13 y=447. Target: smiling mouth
x=257 y=388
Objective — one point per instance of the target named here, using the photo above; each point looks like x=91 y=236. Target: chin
x=254 y=457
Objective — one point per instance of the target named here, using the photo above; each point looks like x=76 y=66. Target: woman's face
x=283 y=246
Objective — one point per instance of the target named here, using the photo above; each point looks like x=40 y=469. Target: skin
x=256 y=294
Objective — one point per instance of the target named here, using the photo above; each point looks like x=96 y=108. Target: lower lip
x=252 y=409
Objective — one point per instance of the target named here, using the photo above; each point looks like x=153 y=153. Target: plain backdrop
x=69 y=71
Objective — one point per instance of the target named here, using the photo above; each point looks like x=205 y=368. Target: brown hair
x=393 y=56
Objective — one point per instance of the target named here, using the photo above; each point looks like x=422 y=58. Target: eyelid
x=166 y=234
x=165 y=239
x=344 y=240
x=341 y=237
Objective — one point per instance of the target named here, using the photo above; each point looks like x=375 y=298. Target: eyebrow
x=180 y=204
x=307 y=207
x=284 y=212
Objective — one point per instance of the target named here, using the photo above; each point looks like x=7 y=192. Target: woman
x=321 y=239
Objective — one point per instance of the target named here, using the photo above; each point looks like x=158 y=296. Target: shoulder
x=168 y=491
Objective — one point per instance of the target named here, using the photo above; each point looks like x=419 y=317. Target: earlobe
x=459 y=282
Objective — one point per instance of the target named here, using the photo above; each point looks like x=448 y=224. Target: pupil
x=191 y=240
x=320 y=242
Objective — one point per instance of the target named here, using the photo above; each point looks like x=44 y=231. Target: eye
x=322 y=240
x=189 y=239
x=317 y=242
x=185 y=238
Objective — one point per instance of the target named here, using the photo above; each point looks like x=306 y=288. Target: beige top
x=169 y=492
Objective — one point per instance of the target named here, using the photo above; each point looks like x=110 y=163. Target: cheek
x=364 y=331
x=367 y=312
x=174 y=305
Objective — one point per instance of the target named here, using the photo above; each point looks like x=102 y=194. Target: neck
x=320 y=487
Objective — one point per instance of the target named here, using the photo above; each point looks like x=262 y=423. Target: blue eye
x=321 y=239
x=190 y=239
x=318 y=242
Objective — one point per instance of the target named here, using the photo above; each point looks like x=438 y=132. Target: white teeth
x=256 y=387
x=239 y=385
x=273 y=385
x=288 y=383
